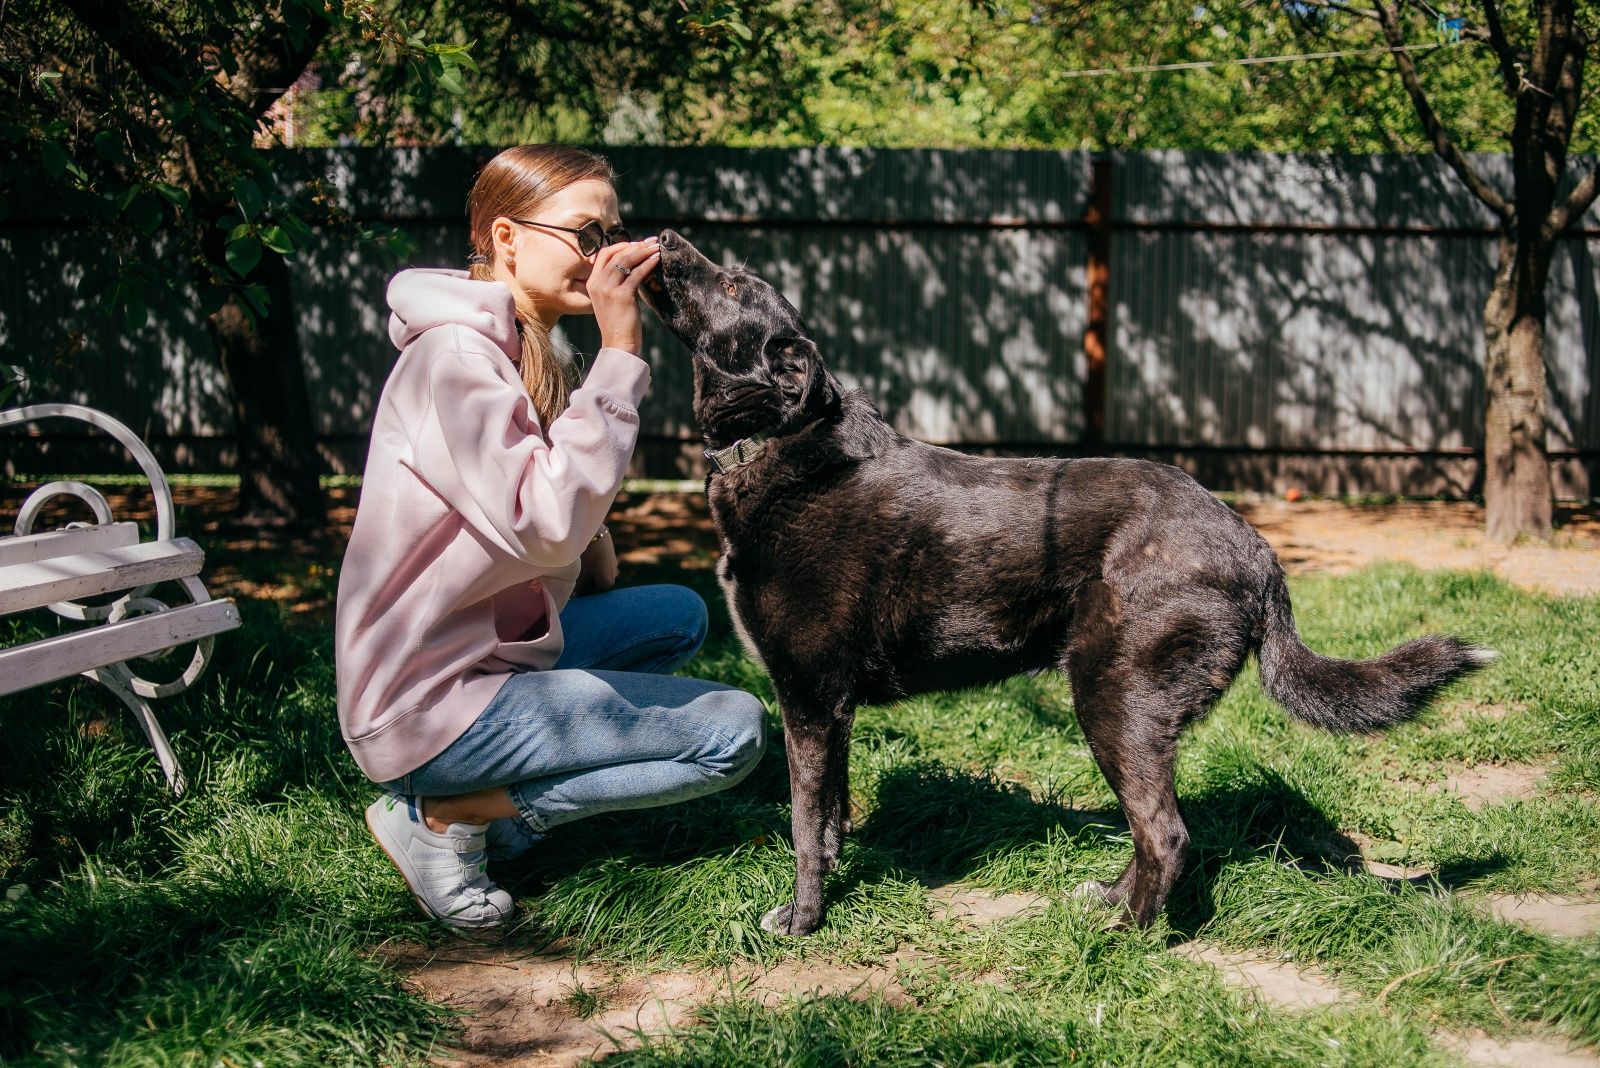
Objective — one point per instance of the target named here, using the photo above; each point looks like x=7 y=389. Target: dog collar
x=738 y=454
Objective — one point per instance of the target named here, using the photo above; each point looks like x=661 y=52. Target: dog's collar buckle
x=738 y=454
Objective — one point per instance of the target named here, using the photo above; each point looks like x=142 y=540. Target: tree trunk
x=278 y=462
x=1516 y=477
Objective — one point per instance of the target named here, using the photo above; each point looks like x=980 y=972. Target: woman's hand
x=615 y=294
x=597 y=570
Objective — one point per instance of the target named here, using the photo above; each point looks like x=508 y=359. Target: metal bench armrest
x=129 y=440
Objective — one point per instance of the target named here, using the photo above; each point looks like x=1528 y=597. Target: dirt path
x=1335 y=536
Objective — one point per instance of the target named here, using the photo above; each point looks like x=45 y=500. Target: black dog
x=861 y=566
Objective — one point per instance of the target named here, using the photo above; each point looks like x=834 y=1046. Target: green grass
x=244 y=923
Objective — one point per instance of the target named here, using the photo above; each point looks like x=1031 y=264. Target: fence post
x=1096 y=334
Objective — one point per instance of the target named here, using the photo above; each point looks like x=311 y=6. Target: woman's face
x=545 y=262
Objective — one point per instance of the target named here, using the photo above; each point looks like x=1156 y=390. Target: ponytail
x=547 y=373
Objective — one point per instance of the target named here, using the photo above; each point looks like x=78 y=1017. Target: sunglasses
x=591 y=236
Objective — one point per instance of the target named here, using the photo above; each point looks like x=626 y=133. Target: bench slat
x=67 y=578
x=31 y=548
x=100 y=646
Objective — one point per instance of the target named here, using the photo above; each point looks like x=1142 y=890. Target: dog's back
x=903 y=567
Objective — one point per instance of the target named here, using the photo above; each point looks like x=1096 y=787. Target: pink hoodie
x=471 y=520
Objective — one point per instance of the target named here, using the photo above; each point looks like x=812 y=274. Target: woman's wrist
x=630 y=344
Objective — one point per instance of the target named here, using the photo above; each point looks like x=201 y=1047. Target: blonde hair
x=514 y=184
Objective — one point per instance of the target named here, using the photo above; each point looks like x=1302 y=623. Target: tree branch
x=271 y=61
x=146 y=50
x=1505 y=53
x=1443 y=144
x=1577 y=203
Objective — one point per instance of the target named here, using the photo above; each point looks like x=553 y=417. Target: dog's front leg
x=806 y=743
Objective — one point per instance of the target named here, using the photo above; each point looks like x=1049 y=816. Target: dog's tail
x=1355 y=695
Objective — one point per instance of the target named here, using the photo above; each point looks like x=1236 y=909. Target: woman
x=488 y=706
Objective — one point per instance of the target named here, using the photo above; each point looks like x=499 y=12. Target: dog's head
x=755 y=367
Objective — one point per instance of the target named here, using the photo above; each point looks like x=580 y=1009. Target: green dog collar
x=738 y=454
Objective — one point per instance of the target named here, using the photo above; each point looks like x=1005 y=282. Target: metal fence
x=1268 y=319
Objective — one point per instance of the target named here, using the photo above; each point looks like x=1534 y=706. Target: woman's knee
x=688 y=611
x=742 y=724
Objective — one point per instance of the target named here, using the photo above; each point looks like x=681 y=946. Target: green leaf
x=109 y=147
x=249 y=197
x=176 y=196
x=144 y=214
x=55 y=159
x=243 y=255
x=239 y=231
x=297 y=228
x=276 y=239
x=451 y=84
x=255 y=295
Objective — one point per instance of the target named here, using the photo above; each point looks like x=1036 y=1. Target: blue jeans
x=606 y=728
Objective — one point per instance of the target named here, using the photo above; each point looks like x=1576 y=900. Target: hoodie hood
x=425 y=297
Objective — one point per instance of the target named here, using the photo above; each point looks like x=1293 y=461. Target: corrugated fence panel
x=918 y=272
x=1298 y=341
x=1572 y=341
x=1317 y=335
x=162 y=379
x=1257 y=302
x=1293 y=189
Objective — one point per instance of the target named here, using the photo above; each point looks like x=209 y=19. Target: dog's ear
x=794 y=365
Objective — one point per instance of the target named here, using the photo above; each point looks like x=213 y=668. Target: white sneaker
x=446 y=873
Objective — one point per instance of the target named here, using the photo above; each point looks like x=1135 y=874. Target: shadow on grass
x=949 y=824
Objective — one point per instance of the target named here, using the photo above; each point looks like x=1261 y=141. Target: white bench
x=55 y=569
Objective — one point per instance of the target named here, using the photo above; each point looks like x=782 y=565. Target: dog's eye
x=729 y=288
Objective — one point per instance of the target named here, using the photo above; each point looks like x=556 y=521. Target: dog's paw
x=1096 y=894
x=1094 y=891
x=783 y=921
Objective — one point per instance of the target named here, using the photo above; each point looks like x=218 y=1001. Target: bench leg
x=119 y=680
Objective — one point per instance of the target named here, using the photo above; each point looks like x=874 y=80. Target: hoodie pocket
x=535 y=654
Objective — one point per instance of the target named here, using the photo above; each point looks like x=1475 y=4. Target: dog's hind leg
x=1134 y=690
x=1137 y=758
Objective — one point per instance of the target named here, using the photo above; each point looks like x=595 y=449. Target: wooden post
x=1096 y=335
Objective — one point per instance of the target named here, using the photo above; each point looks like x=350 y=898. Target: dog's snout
x=668 y=239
